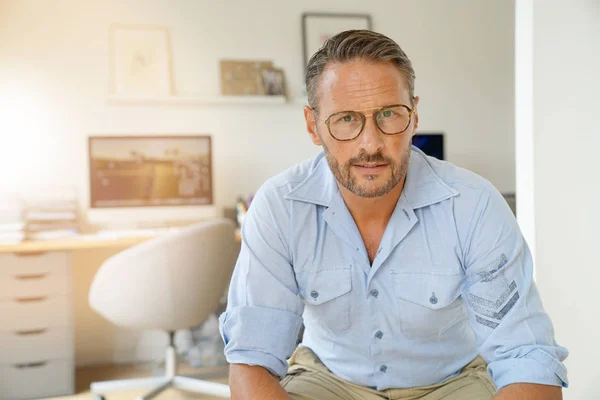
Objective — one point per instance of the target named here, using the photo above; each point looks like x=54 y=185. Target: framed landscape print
x=142 y=171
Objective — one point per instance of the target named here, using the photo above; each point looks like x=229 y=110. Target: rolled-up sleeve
x=264 y=312
x=514 y=333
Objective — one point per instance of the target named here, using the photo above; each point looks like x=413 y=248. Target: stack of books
x=12 y=222
x=52 y=216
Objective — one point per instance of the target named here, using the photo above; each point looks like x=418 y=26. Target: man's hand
x=529 y=391
x=253 y=382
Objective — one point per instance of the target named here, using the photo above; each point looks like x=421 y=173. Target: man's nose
x=371 y=138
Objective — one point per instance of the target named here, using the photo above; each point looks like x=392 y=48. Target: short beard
x=344 y=174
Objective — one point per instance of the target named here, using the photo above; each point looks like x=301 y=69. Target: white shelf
x=193 y=100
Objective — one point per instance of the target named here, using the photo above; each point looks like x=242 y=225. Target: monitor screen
x=150 y=171
x=431 y=144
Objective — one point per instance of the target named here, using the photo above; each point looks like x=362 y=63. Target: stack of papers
x=52 y=215
x=12 y=222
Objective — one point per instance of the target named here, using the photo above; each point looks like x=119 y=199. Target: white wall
x=566 y=185
x=54 y=79
x=524 y=155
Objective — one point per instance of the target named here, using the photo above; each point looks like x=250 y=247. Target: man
x=410 y=274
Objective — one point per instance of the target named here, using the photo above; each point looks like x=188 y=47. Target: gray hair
x=356 y=45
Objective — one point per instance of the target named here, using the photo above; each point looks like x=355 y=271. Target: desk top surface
x=81 y=242
x=69 y=244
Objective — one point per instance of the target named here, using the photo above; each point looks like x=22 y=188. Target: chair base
x=158 y=385
x=161 y=383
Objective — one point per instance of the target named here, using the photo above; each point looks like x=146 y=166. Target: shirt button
x=314 y=294
x=379 y=335
x=383 y=368
x=375 y=293
x=433 y=299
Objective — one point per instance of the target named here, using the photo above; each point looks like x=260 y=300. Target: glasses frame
x=364 y=119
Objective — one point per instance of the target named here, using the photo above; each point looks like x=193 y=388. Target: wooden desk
x=80 y=242
x=70 y=244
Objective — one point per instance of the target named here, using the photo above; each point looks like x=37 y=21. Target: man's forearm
x=529 y=391
x=253 y=382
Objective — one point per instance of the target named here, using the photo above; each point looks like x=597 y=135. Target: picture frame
x=317 y=27
x=150 y=170
x=273 y=82
x=242 y=78
x=141 y=61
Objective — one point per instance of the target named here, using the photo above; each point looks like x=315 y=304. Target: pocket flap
x=323 y=286
x=427 y=290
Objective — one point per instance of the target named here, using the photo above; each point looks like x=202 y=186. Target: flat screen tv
x=431 y=144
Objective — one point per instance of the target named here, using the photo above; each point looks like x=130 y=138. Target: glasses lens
x=345 y=125
x=393 y=120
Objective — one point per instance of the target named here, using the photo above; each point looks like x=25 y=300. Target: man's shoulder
x=460 y=179
x=474 y=192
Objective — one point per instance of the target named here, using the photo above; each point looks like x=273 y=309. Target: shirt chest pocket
x=428 y=304
x=327 y=294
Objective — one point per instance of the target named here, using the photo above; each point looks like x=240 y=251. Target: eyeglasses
x=348 y=125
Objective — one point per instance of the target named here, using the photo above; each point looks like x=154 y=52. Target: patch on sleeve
x=497 y=264
x=486 y=322
x=492 y=297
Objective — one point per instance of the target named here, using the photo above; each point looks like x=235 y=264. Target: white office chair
x=171 y=282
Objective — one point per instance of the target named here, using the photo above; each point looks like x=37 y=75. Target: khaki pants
x=309 y=379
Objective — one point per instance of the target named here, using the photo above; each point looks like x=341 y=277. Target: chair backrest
x=171 y=282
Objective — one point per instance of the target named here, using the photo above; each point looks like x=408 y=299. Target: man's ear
x=416 y=113
x=311 y=125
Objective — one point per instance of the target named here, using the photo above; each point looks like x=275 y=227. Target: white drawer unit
x=31 y=275
x=33 y=285
x=28 y=263
x=36 y=326
x=35 y=312
x=24 y=346
x=37 y=379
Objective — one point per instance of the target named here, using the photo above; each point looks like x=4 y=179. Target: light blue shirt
x=452 y=279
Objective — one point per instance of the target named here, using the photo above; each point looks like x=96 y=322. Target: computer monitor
x=431 y=144
x=149 y=177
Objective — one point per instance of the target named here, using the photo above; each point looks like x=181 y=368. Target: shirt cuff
x=260 y=336
x=248 y=357
x=536 y=367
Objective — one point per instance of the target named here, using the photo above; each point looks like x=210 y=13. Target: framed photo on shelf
x=242 y=78
x=150 y=171
x=273 y=82
x=318 y=27
x=140 y=58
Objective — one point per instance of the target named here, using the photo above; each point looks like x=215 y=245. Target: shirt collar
x=422 y=188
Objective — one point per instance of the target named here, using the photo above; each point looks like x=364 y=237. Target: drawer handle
x=26 y=277
x=31 y=365
x=30 y=254
x=31 y=332
x=30 y=299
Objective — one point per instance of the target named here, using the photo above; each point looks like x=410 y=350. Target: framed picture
x=273 y=82
x=318 y=27
x=242 y=78
x=140 y=58
x=142 y=171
